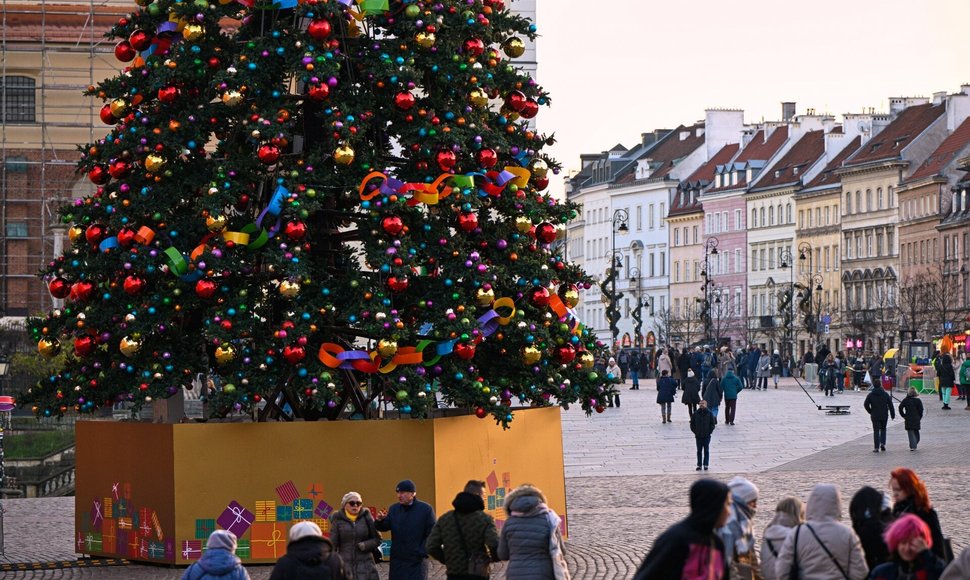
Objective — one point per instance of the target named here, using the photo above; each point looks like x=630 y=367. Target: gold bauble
x=119 y=108
x=478 y=98
x=531 y=355
x=386 y=348
x=75 y=233
x=225 y=354
x=523 y=224
x=129 y=346
x=510 y=114
x=514 y=47
x=289 y=289
x=539 y=168
x=587 y=360
x=232 y=98
x=485 y=297
x=48 y=346
x=193 y=32
x=343 y=155
x=215 y=223
x=425 y=39
x=571 y=298
x=154 y=163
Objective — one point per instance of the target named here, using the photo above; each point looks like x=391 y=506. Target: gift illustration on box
x=109 y=536
x=107 y=506
x=133 y=544
x=156 y=550
x=97 y=516
x=323 y=510
x=204 y=529
x=243 y=549
x=302 y=509
x=125 y=524
x=121 y=507
x=287 y=492
x=157 y=525
x=169 y=549
x=191 y=549
x=284 y=513
x=92 y=542
x=268 y=540
x=236 y=519
x=266 y=510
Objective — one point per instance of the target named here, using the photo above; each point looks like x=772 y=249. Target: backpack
x=707 y=360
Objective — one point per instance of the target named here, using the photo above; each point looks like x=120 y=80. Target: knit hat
x=305 y=530
x=222 y=540
x=743 y=489
x=348 y=497
x=406 y=485
x=690 y=372
x=612 y=360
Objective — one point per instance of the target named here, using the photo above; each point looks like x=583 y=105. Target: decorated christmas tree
x=316 y=205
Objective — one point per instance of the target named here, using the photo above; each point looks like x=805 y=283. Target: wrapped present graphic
x=236 y=519
x=145 y=527
x=287 y=492
x=191 y=549
x=302 y=509
x=169 y=549
x=121 y=507
x=107 y=506
x=204 y=529
x=97 y=514
x=492 y=481
x=323 y=524
x=284 y=513
x=323 y=510
x=80 y=542
x=315 y=490
x=92 y=542
x=157 y=526
x=126 y=491
x=122 y=543
x=125 y=524
x=243 y=549
x=136 y=521
x=143 y=548
x=156 y=550
x=268 y=540
x=109 y=536
x=266 y=511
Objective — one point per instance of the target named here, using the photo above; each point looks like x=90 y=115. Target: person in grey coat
x=879 y=405
x=530 y=540
x=713 y=392
x=355 y=536
x=911 y=410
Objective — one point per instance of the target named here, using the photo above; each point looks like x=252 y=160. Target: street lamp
x=619 y=224
x=810 y=299
x=710 y=249
x=786 y=303
x=638 y=312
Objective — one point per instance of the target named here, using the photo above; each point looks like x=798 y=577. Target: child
x=911 y=409
x=614 y=369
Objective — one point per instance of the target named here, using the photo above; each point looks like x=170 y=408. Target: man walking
x=731 y=386
x=753 y=358
x=879 y=405
x=410 y=521
x=465 y=539
x=713 y=392
x=702 y=423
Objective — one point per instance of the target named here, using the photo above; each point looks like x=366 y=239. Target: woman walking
x=530 y=540
x=776 y=367
x=666 y=389
x=829 y=375
x=692 y=393
x=764 y=369
x=911 y=410
x=355 y=537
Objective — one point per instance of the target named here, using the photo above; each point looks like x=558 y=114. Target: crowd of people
x=892 y=536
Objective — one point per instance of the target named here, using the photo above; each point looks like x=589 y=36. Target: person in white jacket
x=823 y=547
x=789 y=513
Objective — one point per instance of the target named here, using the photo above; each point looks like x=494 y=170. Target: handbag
x=793 y=573
x=478 y=561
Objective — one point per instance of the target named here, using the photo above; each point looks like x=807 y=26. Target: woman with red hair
x=909 y=539
x=910 y=497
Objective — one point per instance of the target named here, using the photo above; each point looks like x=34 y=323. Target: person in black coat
x=309 y=556
x=910 y=497
x=692 y=392
x=911 y=410
x=947 y=379
x=879 y=405
x=702 y=423
x=713 y=392
x=683 y=362
x=870 y=516
x=410 y=522
x=666 y=389
x=691 y=545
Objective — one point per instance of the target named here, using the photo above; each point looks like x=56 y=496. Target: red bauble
x=392 y=225
x=480 y=412
x=467 y=222
x=540 y=184
x=134 y=285
x=107 y=117
x=530 y=109
x=404 y=101
x=546 y=233
x=397 y=283
x=446 y=159
x=539 y=297
x=59 y=288
x=473 y=47
x=99 y=175
x=487 y=157
x=565 y=354
x=205 y=288
x=319 y=29
x=81 y=291
x=94 y=234
x=464 y=350
x=294 y=354
x=119 y=169
x=515 y=100
x=140 y=40
x=268 y=154
x=168 y=94
x=295 y=230
x=600 y=408
x=125 y=52
x=126 y=236
x=318 y=92
x=83 y=345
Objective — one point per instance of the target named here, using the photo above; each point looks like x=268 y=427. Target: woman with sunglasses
x=355 y=537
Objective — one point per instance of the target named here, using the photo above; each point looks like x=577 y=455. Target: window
x=737 y=302
x=17 y=99
x=695 y=237
x=761 y=258
x=653 y=269
x=879 y=243
x=708 y=223
x=892 y=196
x=650 y=217
x=827 y=216
x=890 y=245
x=724 y=216
x=676 y=237
x=879 y=199
x=869 y=206
x=677 y=307
x=754 y=260
x=801 y=219
x=761 y=217
x=858 y=200
x=835 y=259
x=737 y=261
x=771 y=215
x=869 y=248
x=663 y=214
x=835 y=212
x=676 y=271
x=848 y=203
x=788 y=214
x=16 y=229
x=663 y=263
x=639 y=217
x=737 y=219
x=771 y=258
x=754 y=218
x=828 y=262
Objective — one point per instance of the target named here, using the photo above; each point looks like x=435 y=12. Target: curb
x=62 y=564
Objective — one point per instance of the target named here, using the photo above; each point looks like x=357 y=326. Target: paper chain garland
x=490 y=183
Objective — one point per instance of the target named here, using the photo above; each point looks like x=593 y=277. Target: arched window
x=771 y=215
x=754 y=218
x=781 y=216
x=869 y=206
x=858 y=200
x=762 y=216
x=879 y=199
x=17 y=99
x=848 y=202
x=788 y=214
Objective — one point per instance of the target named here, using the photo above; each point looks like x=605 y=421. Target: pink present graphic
x=97 y=514
x=191 y=549
x=287 y=492
x=236 y=519
x=169 y=549
x=80 y=542
x=323 y=510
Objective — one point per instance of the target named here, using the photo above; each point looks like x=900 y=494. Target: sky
x=619 y=68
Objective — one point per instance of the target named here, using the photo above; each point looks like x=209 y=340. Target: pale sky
x=618 y=68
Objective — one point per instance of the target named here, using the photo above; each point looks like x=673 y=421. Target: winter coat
x=879 y=405
x=776 y=364
x=311 y=558
x=725 y=363
x=926 y=566
x=911 y=409
x=772 y=540
x=664 y=364
x=754 y=357
x=928 y=516
x=958 y=569
x=713 y=393
x=636 y=361
x=823 y=512
x=828 y=375
x=355 y=542
x=529 y=538
x=692 y=391
x=683 y=363
x=870 y=520
x=623 y=359
x=216 y=564
x=731 y=385
x=616 y=371
x=666 y=389
x=690 y=548
x=738 y=537
x=410 y=526
x=764 y=366
x=875 y=368
x=947 y=378
x=703 y=422
x=478 y=534
x=965 y=372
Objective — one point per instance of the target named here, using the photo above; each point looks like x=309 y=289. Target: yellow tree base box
x=155 y=492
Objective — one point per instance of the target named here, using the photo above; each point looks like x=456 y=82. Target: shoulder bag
x=828 y=553
x=793 y=571
x=478 y=561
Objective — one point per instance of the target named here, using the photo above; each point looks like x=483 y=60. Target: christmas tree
x=317 y=204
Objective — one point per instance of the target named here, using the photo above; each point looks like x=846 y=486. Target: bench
x=834 y=409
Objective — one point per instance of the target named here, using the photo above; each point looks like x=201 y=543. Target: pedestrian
x=708 y=362
x=731 y=386
x=725 y=361
x=666 y=390
x=624 y=362
x=531 y=541
x=909 y=540
x=218 y=561
x=702 y=424
x=935 y=361
x=741 y=361
x=309 y=556
x=613 y=371
x=691 y=393
x=829 y=375
x=410 y=521
x=875 y=369
x=910 y=497
x=465 y=539
x=737 y=533
x=683 y=363
x=858 y=370
x=822 y=547
x=870 y=515
x=775 y=367
x=635 y=363
x=965 y=379
x=713 y=392
x=958 y=569
x=911 y=410
x=789 y=513
x=664 y=364
x=947 y=378
x=691 y=548
x=764 y=370
x=355 y=537
x=754 y=357
x=879 y=405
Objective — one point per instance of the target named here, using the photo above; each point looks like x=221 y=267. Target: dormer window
x=717 y=180
x=777 y=173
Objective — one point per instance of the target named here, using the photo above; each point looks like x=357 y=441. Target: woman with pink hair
x=910 y=497
x=909 y=540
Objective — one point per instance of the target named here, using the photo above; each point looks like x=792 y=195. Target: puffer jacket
x=216 y=564
x=823 y=512
x=477 y=529
x=666 y=389
x=771 y=542
x=958 y=569
x=731 y=385
x=527 y=536
x=713 y=393
x=911 y=410
x=692 y=391
x=311 y=558
x=347 y=536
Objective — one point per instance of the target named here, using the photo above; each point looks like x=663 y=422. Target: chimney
x=939 y=97
x=787 y=111
x=965 y=89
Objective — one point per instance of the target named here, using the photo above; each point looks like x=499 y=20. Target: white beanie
x=305 y=530
x=350 y=496
x=743 y=489
x=690 y=372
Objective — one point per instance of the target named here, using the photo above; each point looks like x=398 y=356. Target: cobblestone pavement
x=628 y=475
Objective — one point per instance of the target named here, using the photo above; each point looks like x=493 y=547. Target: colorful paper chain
x=490 y=183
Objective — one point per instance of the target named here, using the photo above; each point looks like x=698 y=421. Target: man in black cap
x=410 y=521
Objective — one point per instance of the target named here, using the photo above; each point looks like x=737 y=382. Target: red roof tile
x=890 y=142
x=706 y=172
x=760 y=149
x=673 y=149
x=948 y=151
x=796 y=161
x=828 y=175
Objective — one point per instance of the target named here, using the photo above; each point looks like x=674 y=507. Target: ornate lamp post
x=707 y=288
x=638 y=312
x=786 y=304
x=619 y=224
x=810 y=298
